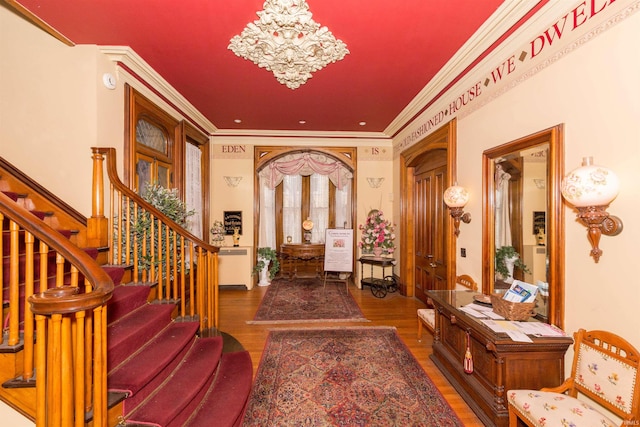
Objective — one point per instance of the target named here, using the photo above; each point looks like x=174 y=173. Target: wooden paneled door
x=427 y=245
x=430 y=255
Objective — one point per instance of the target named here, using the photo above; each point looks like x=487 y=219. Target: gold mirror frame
x=554 y=221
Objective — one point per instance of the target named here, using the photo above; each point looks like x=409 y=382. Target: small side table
x=379 y=285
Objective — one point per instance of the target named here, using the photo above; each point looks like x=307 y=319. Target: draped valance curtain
x=289 y=170
x=305 y=164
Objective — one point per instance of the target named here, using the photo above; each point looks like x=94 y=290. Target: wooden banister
x=63 y=321
x=184 y=266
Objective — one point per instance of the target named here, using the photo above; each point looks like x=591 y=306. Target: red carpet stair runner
x=169 y=375
x=172 y=377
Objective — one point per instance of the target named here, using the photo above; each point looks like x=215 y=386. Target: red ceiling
x=396 y=47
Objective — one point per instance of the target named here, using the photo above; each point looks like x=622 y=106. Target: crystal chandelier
x=288 y=42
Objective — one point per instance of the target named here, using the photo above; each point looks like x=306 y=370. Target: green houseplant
x=505 y=253
x=267 y=256
x=169 y=203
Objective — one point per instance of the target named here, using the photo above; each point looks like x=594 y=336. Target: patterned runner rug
x=305 y=301
x=362 y=376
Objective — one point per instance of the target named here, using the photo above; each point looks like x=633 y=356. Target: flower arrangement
x=377 y=232
x=217 y=233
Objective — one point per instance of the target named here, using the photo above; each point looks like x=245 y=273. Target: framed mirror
x=523 y=219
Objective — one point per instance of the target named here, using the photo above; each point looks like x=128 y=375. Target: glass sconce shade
x=590 y=185
x=456 y=196
x=590 y=189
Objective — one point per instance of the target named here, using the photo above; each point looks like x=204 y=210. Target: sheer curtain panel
x=267 y=231
x=292 y=208
x=319 y=206
x=194 y=189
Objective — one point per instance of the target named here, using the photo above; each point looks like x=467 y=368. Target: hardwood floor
x=239 y=305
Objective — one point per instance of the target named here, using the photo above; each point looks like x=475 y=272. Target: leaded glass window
x=151 y=136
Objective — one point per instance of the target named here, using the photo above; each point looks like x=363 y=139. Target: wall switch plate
x=463 y=252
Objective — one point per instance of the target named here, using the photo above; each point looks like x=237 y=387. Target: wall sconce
x=456 y=197
x=233 y=181
x=590 y=189
x=375 y=182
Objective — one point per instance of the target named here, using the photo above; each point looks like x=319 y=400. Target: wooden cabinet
x=302 y=260
x=499 y=364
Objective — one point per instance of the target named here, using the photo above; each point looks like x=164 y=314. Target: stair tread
x=14 y=196
x=42 y=214
x=227 y=397
x=115 y=272
x=191 y=377
x=132 y=331
x=134 y=373
x=125 y=299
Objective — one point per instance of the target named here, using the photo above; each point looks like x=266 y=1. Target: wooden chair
x=427 y=316
x=605 y=370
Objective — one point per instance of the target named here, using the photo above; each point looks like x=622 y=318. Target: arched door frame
x=444 y=138
x=263 y=155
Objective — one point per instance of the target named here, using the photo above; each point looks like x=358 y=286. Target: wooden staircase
x=112 y=343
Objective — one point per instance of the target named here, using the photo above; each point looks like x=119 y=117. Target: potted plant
x=267 y=263
x=169 y=203
x=506 y=259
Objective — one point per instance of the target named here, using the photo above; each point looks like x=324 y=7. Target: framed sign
x=539 y=221
x=232 y=219
x=338 y=250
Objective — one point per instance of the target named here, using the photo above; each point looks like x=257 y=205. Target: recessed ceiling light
x=237 y=121
x=362 y=123
x=302 y=122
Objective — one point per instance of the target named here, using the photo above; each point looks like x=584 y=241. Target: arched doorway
x=428 y=257
x=281 y=219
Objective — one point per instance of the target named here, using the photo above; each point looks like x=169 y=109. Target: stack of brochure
x=521 y=292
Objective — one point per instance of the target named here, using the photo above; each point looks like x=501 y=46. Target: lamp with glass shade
x=590 y=189
x=456 y=197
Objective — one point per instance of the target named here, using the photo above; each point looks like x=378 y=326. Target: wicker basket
x=512 y=310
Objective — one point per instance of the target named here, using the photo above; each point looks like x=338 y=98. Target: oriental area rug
x=307 y=301
x=360 y=376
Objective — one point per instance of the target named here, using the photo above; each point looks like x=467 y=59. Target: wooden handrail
x=66 y=316
x=112 y=173
x=101 y=282
x=184 y=266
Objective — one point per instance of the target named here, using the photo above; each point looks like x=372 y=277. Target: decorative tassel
x=468 y=360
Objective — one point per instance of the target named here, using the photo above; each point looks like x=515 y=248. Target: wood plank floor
x=239 y=305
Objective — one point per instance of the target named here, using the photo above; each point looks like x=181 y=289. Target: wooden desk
x=499 y=364
x=302 y=260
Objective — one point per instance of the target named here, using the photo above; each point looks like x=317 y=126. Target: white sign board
x=338 y=250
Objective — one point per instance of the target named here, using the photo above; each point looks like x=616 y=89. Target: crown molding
x=301 y=134
x=507 y=15
x=131 y=63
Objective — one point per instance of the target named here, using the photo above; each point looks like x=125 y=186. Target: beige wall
x=374 y=160
x=589 y=91
x=591 y=85
x=48 y=108
x=54 y=107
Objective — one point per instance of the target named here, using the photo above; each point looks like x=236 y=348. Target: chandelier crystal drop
x=288 y=42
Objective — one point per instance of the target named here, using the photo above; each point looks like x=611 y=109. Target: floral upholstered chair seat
x=427 y=316
x=543 y=408
x=605 y=369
